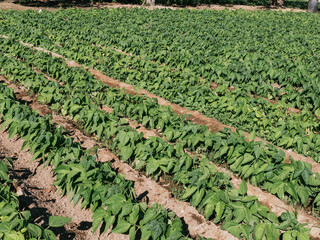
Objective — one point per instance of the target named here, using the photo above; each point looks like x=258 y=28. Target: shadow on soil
x=41 y=215
x=300 y=4
x=59 y=4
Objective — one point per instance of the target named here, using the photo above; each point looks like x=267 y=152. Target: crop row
x=204 y=187
x=96 y=185
x=15 y=223
x=262 y=166
x=246 y=55
x=237 y=108
x=218 y=50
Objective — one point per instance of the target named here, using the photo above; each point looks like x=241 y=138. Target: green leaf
x=134 y=215
x=259 y=231
x=220 y=207
x=317 y=199
x=155 y=229
x=287 y=236
x=272 y=232
x=247 y=158
x=122 y=226
x=132 y=233
x=152 y=166
x=36 y=155
x=15 y=236
x=48 y=234
x=125 y=153
x=243 y=188
x=209 y=209
x=189 y=191
x=58 y=221
x=252 y=136
x=97 y=218
x=34 y=230
x=109 y=220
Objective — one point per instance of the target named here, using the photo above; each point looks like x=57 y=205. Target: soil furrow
x=213 y=125
x=36 y=192
x=215 y=85
x=6 y=5
x=275 y=204
x=145 y=187
x=195 y=116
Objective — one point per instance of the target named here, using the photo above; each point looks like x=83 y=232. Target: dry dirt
x=213 y=124
x=160 y=194
x=38 y=195
x=144 y=186
x=195 y=116
x=6 y=5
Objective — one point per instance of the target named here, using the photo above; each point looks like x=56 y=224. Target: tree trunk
x=313 y=6
x=276 y=2
x=151 y=2
x=280 y=3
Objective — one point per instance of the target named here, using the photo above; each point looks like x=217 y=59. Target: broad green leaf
x=126 y=152
x=122 y=226
x=34 y=230
x=243 y=188
x=58 y=221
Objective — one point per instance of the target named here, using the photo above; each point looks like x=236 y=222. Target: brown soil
x=195 y=116
x=6 y=5
x=215 y=85
x=214 y=125
x=276 y=205
x=36 y=193
x=144 y=186
x=209 y=6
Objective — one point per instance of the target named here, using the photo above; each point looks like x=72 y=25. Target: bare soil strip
x=274 y=203
x=158 y=193
x=195 y=116
x=5 y=5
x=144 y=186
x=213 y=125
x=214 y=85
x=36 y=192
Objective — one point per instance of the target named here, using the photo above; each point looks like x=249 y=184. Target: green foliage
x=110 y=197
x=204 y=187
x=245 y=62
x=262 y=166
x=14 y=223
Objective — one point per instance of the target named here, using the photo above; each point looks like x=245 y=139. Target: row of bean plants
x=237 y=108
x=84 y=179
x=206 y=188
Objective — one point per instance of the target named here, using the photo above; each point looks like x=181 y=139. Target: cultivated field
x=163 y=124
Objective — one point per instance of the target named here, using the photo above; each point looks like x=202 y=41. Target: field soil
x=145 y=188
x=37 y=194
x=195 y=116
x=46 y=5
x=265 y=198
x=35 y=188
